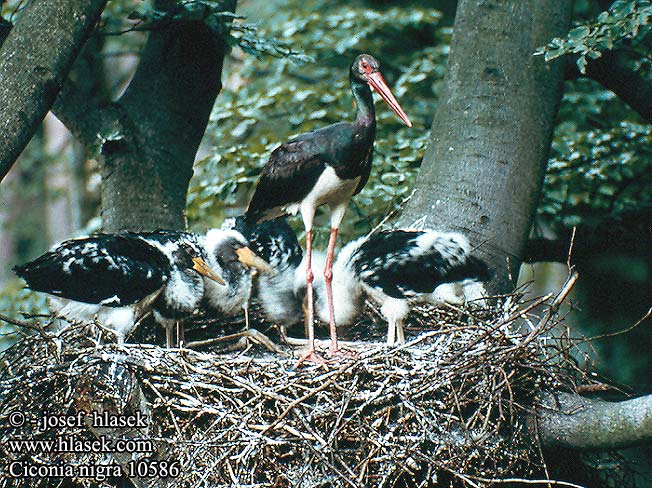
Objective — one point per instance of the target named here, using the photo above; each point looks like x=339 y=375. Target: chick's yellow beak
x=247 y=257
x=204 y=269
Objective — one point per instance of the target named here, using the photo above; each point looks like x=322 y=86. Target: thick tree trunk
x=165 y=110
x=149 y=137
x=484 y=167
x=34 y=62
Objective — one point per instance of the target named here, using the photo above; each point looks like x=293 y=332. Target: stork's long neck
x=365 y=119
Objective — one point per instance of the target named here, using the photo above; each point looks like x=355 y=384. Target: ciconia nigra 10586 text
x=325 y=166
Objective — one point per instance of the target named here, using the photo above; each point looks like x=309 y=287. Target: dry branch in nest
x=446 y=408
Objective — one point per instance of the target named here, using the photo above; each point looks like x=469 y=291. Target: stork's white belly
x=331 y=189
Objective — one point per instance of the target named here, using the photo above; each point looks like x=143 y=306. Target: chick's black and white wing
x=112 y=270
x=405 y=263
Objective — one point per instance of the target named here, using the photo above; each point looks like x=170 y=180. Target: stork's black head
x=273 y=240
x=363 y=65
x=366 y=69
x=231 y=251
x=225 y=247
x=188 y=257
x=183 y=255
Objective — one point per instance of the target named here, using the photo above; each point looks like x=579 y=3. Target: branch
x=34 y=62
x=626 y=231
x=569 y=420
x=612 y=72
x=79 y=104
x=5 y=28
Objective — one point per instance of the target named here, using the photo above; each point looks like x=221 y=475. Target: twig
x=554 y=307
x=525 y=481
x=253 y=334
x=308 y=395
x=647 y=315
x=570 y=248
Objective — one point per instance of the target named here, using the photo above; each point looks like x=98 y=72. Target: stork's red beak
x=377 y=82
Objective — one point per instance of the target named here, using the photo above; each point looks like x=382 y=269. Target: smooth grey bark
x=569 y=420
x=483 y=170
x=34 y=61
x=148 y=138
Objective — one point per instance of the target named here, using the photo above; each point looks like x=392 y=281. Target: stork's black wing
x=114 y=270
x=394 y=262
x=288 y=177
x=294 y=168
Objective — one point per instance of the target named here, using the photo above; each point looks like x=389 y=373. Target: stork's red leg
x=328 y=278
x=311 y=355
x=309 y=292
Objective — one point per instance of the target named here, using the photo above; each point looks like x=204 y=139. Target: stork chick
x=398 y=269
x=115 y=279
x=275 y=242
x=228 y=253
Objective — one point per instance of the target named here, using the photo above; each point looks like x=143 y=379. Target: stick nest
x=446 y=408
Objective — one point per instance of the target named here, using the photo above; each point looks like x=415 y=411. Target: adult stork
x=398 y=269
x=115 y=279
x=326 y=166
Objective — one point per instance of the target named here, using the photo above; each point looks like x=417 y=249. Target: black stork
x=276 y=243
x=229 y=254
x=397 y=269
x=325 y=166
x=115 y=279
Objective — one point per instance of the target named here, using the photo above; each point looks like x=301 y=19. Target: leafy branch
x=625 y=23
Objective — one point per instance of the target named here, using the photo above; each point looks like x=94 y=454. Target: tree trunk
x=483 y=170
x=144 y=183
x=34 y=61
x=149 y=137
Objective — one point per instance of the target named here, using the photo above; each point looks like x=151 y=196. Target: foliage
x=17 y=302
x=601 y=157
x=126 y=16
x=593 y=171
x=599 y=175
x=265 y=102
x=626 y=23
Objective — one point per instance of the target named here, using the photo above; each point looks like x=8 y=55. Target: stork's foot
x=333 y=357
x=312 y=357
